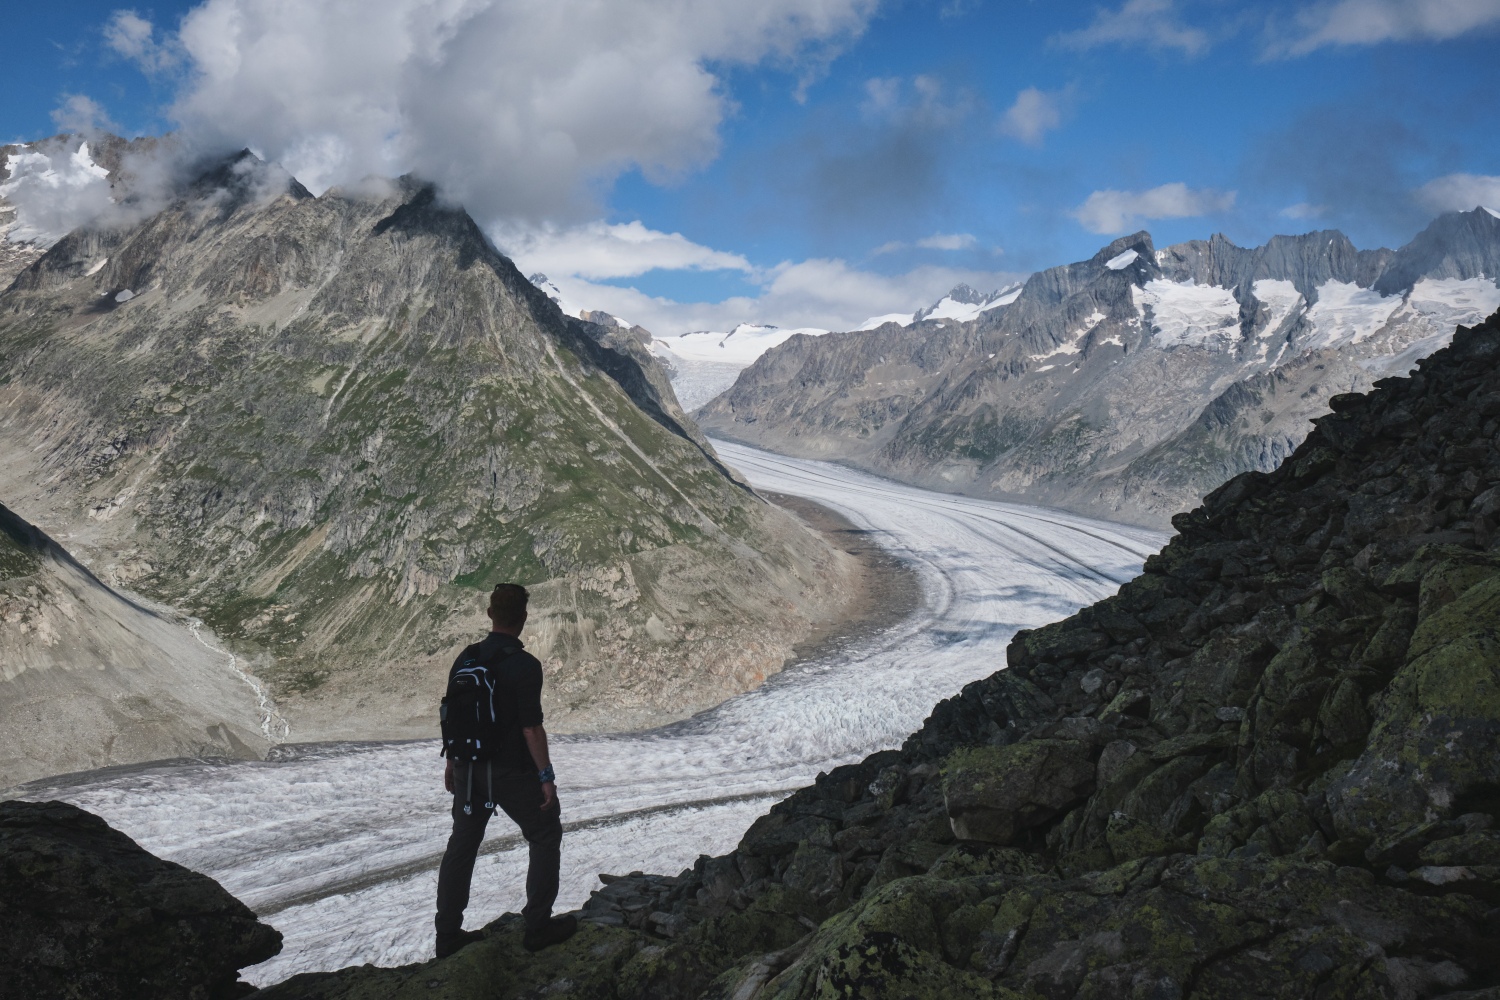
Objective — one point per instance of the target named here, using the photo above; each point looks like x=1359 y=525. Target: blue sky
x=819 y=160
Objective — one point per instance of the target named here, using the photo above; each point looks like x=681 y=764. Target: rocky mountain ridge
x=327 y=426
x=1128 y=385
x=1265 y=768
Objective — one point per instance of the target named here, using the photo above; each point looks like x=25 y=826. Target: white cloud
x=1460 y=193
x=1151 y=23
x=1302 y=210
x=82 y=115
x=882 y=95
x=1117 y=211
x=1370 y=22
x=133 y=37
x=600 y=251
x=827 y=294
x=923 y=100
x=1034 y=114
x=514 y=107
x=54 y=189
x=948 y=241
x=937 y=241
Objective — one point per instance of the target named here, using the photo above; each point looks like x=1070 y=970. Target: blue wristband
x=546 y=774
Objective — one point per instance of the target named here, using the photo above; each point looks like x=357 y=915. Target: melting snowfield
x=337 y=845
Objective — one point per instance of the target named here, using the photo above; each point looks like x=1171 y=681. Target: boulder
x=88 y=914
x=993 y=793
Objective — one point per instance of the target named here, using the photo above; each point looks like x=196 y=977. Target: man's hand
x=448 y=775
x=536 y=742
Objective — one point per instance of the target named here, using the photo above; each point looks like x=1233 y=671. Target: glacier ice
x=338 y=844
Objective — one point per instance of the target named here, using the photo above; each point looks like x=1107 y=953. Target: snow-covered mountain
x=962 y=305
x=1129 y=384
x=550 y=289
x=707 y=362
x=742 y=345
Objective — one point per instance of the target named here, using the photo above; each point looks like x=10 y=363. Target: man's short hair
x=508 y=605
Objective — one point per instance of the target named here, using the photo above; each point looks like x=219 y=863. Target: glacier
x=337 y=845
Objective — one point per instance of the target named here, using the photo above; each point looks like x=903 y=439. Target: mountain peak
x=963 y=293
x=1140 y=242
x=1455 y=245
x=244 y=177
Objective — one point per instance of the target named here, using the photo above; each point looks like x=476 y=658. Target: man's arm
x=536 y=742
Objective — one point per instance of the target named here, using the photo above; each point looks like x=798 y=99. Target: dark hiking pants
x=520 y=796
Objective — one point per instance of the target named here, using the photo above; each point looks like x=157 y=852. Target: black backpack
x=471 y=720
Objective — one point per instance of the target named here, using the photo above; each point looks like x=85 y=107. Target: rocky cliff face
x=329 y=425
x=90 y=678
x=1266 y=768
x=88 y=914
x=1128 y=385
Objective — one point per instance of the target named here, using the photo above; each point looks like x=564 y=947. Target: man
x=514 y=772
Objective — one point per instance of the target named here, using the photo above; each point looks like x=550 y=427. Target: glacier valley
x=337 y=845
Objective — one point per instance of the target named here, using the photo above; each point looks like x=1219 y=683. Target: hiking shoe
x=451 y=941
x=555 y=931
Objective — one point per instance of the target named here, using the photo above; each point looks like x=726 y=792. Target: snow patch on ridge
x=1282 y=301
x=963 y=312
x=875 y=322
x=1123 y=260
x=1189 y=315
x=947 y=307
x=1073 y=343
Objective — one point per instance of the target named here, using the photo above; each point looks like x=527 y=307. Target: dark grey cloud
x=887 y=171
x=1359 y=167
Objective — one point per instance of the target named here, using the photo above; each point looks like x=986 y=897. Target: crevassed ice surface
x=707 y=363
x=1186 y=313
x=337 y=845
x=698 y=382
x=1447 y=302
x=1429 y=314
x=1347 y=313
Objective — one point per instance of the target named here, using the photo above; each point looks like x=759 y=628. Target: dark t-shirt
x=518 y=694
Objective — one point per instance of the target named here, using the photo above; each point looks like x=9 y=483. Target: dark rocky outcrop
x=87 y=914
x=1268 y=767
